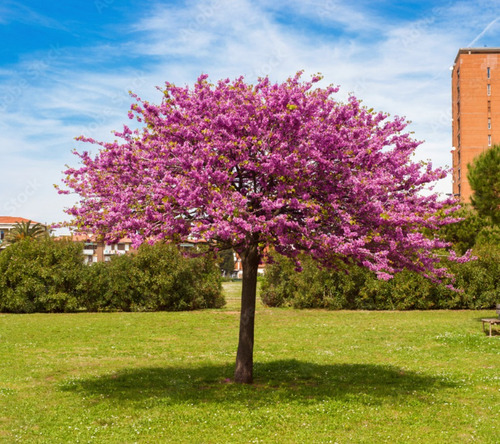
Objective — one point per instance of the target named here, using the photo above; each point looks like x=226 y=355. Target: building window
x=488 y=73
x=489 y=140
x=458 y=139
x=458 y=72
x=459 y=175
x=489 y=123
x=489 y=89
x=489 y=106
x=2 y=234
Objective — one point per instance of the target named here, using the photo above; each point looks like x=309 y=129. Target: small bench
x=491 y=321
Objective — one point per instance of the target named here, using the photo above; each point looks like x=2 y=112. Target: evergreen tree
x=484 y=179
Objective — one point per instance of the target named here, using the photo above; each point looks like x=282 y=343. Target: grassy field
x=320 y=377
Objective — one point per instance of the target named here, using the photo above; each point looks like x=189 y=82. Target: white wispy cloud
x=17 y=11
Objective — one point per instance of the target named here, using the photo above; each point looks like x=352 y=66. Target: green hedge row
x=357 y=288
x=49 y=276
x=158 y=277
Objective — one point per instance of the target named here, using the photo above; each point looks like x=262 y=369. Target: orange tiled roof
x=14 y=220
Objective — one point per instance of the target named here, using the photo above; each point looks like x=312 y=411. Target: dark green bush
x=155 y=278
x=109 y=285
x=49 y=276
x=480 y=278
x=357 y=288
x=40 y=276
x=313 y=287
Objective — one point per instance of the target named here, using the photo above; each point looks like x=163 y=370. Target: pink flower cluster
x=281 y=165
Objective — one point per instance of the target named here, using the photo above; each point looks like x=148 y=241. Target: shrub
x=480 y=279
x=313 y=287
x=49 y=276
x=108 y=285
x=40 y=276
x=353 y=287
x=154 y=278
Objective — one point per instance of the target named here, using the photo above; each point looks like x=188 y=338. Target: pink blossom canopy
x=282 y=165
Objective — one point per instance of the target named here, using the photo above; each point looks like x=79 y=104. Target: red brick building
x=475 y=93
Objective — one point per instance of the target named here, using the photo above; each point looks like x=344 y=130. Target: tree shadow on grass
x=276 y=381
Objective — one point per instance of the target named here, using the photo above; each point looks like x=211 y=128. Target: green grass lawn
x=395 y=377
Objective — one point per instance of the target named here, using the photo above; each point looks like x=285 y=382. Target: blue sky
x=66 y=68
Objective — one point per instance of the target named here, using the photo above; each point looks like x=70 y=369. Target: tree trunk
x=250 y=259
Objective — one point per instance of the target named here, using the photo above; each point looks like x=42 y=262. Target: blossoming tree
x=284 y=166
